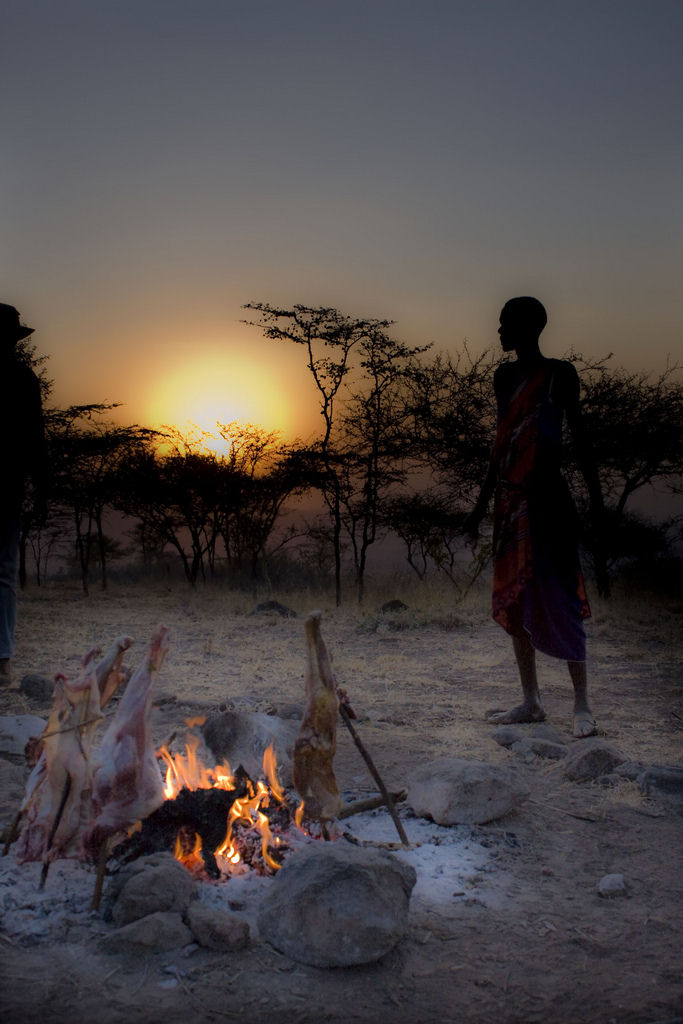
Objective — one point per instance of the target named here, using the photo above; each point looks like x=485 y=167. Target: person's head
x=521 y=322
x=11 y=329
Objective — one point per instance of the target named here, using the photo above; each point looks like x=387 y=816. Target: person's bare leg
x=531 y=709
x=584 y=723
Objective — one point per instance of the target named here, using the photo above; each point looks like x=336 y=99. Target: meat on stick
x=314 y=749
x=127 y=781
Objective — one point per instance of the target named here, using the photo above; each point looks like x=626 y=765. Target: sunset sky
x=164 y=162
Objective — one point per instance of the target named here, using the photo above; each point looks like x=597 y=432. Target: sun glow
x=195 y=396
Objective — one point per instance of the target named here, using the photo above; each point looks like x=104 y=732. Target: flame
x=269 y=770
x=185 y=771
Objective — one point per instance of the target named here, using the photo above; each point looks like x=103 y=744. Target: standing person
x=539 y=596
x=23 y=455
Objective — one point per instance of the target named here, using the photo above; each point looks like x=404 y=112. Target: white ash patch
x=451 y=865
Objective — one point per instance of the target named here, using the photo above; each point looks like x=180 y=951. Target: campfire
x=216 y=822
x=125 y=798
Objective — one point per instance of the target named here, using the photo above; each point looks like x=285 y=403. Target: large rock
x=591 y=758
x=217 y=929
x=456 y=791
x=17 y=730
x=335 y=905
x=158 y=883
x=240 y=737
x=156 y=933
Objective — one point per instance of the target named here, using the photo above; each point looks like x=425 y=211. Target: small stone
x=611 y=886
x=548 y=749
x=457 y=791
x=217 y=929
x=630 y=770
x=591 y=758
x=274 y=606
x=155 y=933
x=543 y=731
x=158 y=883
x=506 y=735
x=393 y=606
x=664 y=781
x=37 y=688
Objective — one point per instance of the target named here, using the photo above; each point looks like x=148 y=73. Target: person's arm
x=587 y=465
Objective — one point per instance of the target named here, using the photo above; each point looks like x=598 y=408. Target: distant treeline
x=403 y=447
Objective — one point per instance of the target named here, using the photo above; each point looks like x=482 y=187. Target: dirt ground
x=542 y=947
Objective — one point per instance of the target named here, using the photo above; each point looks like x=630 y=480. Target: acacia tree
x=329 y=339
x=374 y=440
x=88 y=455
x=258 y=475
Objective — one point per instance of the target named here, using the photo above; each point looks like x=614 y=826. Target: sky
x=165 y=162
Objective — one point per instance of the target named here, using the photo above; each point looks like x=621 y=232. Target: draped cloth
x=538 y=587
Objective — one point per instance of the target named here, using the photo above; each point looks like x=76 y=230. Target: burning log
x=315 y=747
x=174 y=826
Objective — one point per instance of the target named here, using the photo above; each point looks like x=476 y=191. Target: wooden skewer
x=376 y=776
x=53 y=830
x=99 y=880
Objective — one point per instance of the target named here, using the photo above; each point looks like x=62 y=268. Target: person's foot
x=5 y=672
x=522 y=713
x=584 y=724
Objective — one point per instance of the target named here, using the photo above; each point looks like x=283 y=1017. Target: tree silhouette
x=329 y=338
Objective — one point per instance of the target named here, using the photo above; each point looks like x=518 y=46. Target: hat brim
x=23 y=332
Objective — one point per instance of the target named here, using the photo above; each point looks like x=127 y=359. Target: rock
x=17 y=730
x=543 y=731
x=547 y=748
x=506 y=735
x=393 y=606
x=290 y=711
x=456 y=791
x=274 y=606
x=629 y=770
x=37 y=688
x=664 y=781
x=612 y=885
x=217 y=929
x=337 y=905
x=240 y=737
x=590 y=758
x=149 y=885
x=155 y=933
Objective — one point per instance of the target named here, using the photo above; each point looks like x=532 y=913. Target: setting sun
x=218 y=390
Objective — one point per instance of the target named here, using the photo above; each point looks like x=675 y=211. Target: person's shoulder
x=567 y=378
x=504 y=371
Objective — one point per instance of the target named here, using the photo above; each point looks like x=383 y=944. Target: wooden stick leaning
x=358 y=806
x=346 y=718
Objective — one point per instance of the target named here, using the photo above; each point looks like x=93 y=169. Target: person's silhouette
x=538 y=590
x=22 y=443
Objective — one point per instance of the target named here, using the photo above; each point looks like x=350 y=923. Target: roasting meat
x=109 y=670
x=109 y=675
x=314 y=750
x=127 y=780
x=58 y=789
